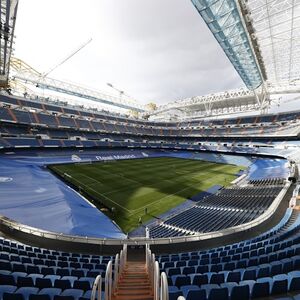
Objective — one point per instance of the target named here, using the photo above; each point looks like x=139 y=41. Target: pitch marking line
x=120 y=176
x=102 y=195
x=143 y=207
x=88 y=177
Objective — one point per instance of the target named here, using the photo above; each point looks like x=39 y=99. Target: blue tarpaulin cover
x=268 y=168
x=33 y=196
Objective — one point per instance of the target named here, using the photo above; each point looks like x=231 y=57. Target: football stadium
x=103 y=197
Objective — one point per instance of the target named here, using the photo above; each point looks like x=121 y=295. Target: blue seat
x=188 y=270
x=280 y=285
x=76 y=293
x=168 y=264
x=180 y=280
x=43 y=283
x=25 y=281
x=63 y=272
x=35 y=276
x=52 y=278
x=276 y=268
x=26 y=291
x=249 y=274
x=173 y=295
x=70 y=278
x=229 y=286
x=18 y=267
x=218 y=293
x=16 y=275
x=234 y=276
x=87 y=295
x=216 y=268
x=50 y=291
x=5 y=272
x=217 y=278
x=89 y=279
x=250 y=283
x=263 y=271
x=196 y=295
x=199 y=279
x=78 y=273
x=5 y=265
x=7 y=279
x=202 y=269
x=209 y=287
x=186 y=288
x=240 y=292
x=30 y=268
x=62 y=284
x=93 y=273
x=48 y=271
x=266 y=279
x=230 y=266
x=12 y=296
x=192 y=263
x=294 y=282
x=7 y=289
x=82 y=285
x=287 y=265
x=179 y=264
x=260 y=290
x=173 y=271
x=39 y=297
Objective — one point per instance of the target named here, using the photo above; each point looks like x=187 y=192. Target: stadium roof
x=261 y=38
x=276 y=25
x=225 y=21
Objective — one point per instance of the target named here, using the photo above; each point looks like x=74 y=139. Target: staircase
x=134 y=275
x=134 y=283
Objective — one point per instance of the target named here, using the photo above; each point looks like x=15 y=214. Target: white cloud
x=158 y=50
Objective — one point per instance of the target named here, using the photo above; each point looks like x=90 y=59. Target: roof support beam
x=224 y=20
x=8 y=15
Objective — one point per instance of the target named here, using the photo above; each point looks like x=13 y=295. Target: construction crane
x=121 y=92
x=29 y=76
x=45 y=74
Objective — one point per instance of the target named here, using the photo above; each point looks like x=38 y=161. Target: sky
x=155 y=50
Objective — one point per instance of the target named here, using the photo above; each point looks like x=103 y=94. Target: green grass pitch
x=130 y=186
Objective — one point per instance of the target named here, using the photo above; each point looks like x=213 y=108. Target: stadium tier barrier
x=25 y=171
x=6 y=224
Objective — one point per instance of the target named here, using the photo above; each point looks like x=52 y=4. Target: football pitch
x=141 y=189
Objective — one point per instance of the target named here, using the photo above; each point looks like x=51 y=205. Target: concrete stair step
x=133 y=292
x=132 y=297
x=139 y=287
x=135 y=281
x=144 y=276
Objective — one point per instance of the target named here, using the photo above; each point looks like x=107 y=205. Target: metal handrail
x=97 y=288
x=156 y=280
x=164 y=288
x=116 y=271
x=108 y=281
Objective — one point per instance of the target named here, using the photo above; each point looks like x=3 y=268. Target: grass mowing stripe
x=207 y=180
x=157 y=184
x=100 y=194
